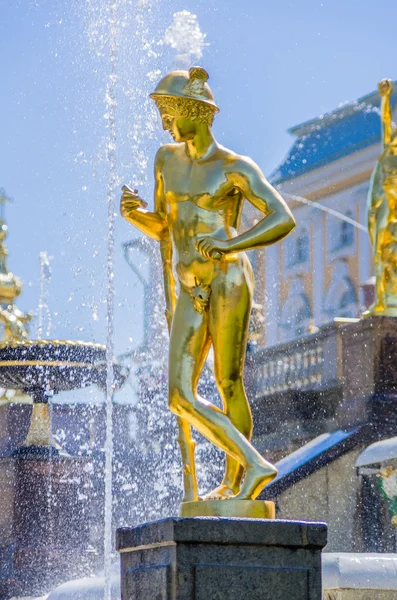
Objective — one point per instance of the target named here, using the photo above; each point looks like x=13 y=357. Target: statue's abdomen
x=189 y=223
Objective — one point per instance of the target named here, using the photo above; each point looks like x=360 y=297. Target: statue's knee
x=178 y=402
x=175 y=401
x=230 y=385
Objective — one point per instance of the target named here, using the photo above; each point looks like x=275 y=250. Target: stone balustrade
x=307 y=363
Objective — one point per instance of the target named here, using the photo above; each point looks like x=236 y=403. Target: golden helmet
x=186 y=84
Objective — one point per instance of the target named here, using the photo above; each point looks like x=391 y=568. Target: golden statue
x=200 y=188
x=382 y=213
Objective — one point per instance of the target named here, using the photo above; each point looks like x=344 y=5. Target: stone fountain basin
x=57 y=365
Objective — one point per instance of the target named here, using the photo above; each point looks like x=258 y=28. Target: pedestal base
x=242 y=509
x=221 y=559
x=45 y=532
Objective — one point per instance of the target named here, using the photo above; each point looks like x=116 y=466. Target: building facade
x=321 y=389
x=317 y=272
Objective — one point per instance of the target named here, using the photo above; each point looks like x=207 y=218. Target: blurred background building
x=322 y=380
x=320 y=271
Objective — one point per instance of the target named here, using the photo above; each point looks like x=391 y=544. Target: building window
x=297 y=248
x=346 y=232
x=296 y=312
x=341 y=234
x=341 y=297
x=302 y=247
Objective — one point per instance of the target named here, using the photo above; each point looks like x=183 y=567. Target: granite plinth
x=44 y=523
x=221 y=559
x=369 y=370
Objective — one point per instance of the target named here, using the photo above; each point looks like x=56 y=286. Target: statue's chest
x=205 y=185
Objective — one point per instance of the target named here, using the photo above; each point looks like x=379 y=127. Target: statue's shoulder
x=167 y=150
x=230 y=156
x=238 y=162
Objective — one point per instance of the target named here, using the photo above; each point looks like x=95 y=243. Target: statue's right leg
x=187 y=446
x=188 y=344
x=185 y=440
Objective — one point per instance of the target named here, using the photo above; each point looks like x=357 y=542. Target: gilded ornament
x=382 y=213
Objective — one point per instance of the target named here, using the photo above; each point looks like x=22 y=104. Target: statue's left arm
x=165 y=244
x=277 y=223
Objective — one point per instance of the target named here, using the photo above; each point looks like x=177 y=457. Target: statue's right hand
x=130 y=201
x=385 y=87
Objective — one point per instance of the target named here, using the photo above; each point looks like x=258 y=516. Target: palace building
x=323 y=389
x=319 y=271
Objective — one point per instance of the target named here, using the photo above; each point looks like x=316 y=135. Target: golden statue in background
x=200 y=188
x=382 y=213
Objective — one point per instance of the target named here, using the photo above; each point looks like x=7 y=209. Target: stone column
x=369 y=374
x=45 y=529
x=221 y=559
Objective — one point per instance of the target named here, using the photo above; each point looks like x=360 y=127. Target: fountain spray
x=44 y=311
x=111 y=104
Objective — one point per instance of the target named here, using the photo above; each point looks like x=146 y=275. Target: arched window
x=297 y=248
x=341 y=297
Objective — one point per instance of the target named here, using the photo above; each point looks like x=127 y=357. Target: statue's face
x=181 y=128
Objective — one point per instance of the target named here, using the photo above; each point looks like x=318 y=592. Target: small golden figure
x=382 y=213
x=200 y=187
x=15 y=322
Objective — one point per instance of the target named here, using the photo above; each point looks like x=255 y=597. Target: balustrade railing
x=307 y=363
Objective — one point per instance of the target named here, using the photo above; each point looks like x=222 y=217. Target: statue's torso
x=201 y=199
x=382 y=195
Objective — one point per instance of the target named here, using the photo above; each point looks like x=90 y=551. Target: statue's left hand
x=210 y=247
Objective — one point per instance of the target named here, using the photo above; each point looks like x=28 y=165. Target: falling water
x=326 y=209
x=140 y=29
x=186 y=38
x=44 y=315
x=50 y=478
x=111 y=105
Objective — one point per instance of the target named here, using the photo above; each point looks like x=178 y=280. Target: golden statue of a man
x=382 y=213
x=200 y=188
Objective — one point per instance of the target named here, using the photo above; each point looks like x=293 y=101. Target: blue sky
x=272 y=65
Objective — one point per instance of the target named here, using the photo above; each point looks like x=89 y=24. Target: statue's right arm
x=169 y=281
x=165 y=243
x=153 y=224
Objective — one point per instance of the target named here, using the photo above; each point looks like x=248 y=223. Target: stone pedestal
x=369 y=374
x=221 y=559
x=44 y=523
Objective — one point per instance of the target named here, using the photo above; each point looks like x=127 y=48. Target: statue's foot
x=256 y=477
x=222 y=492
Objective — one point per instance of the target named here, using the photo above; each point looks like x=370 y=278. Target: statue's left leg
x=188 y=344
x=201 y=342
x=229 y=319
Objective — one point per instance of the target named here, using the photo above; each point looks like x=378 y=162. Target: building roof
x=314 y=455
x=351 y=127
